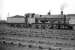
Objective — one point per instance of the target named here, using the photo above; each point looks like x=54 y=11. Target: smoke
x=63 y=6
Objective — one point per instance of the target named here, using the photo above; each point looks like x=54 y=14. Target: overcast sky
x=21 y=7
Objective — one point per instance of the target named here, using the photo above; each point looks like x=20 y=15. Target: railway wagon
x=16 y=21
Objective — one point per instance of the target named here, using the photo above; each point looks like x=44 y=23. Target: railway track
x=36 y=37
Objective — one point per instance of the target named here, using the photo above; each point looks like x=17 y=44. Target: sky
x=10 y=8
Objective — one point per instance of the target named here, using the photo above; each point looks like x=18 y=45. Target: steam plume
x=63 y=6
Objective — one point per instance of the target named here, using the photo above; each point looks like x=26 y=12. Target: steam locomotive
x=40 y=21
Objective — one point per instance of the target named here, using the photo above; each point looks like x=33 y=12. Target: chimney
x=49 y=13
x=62 y=8
x=61 y=12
